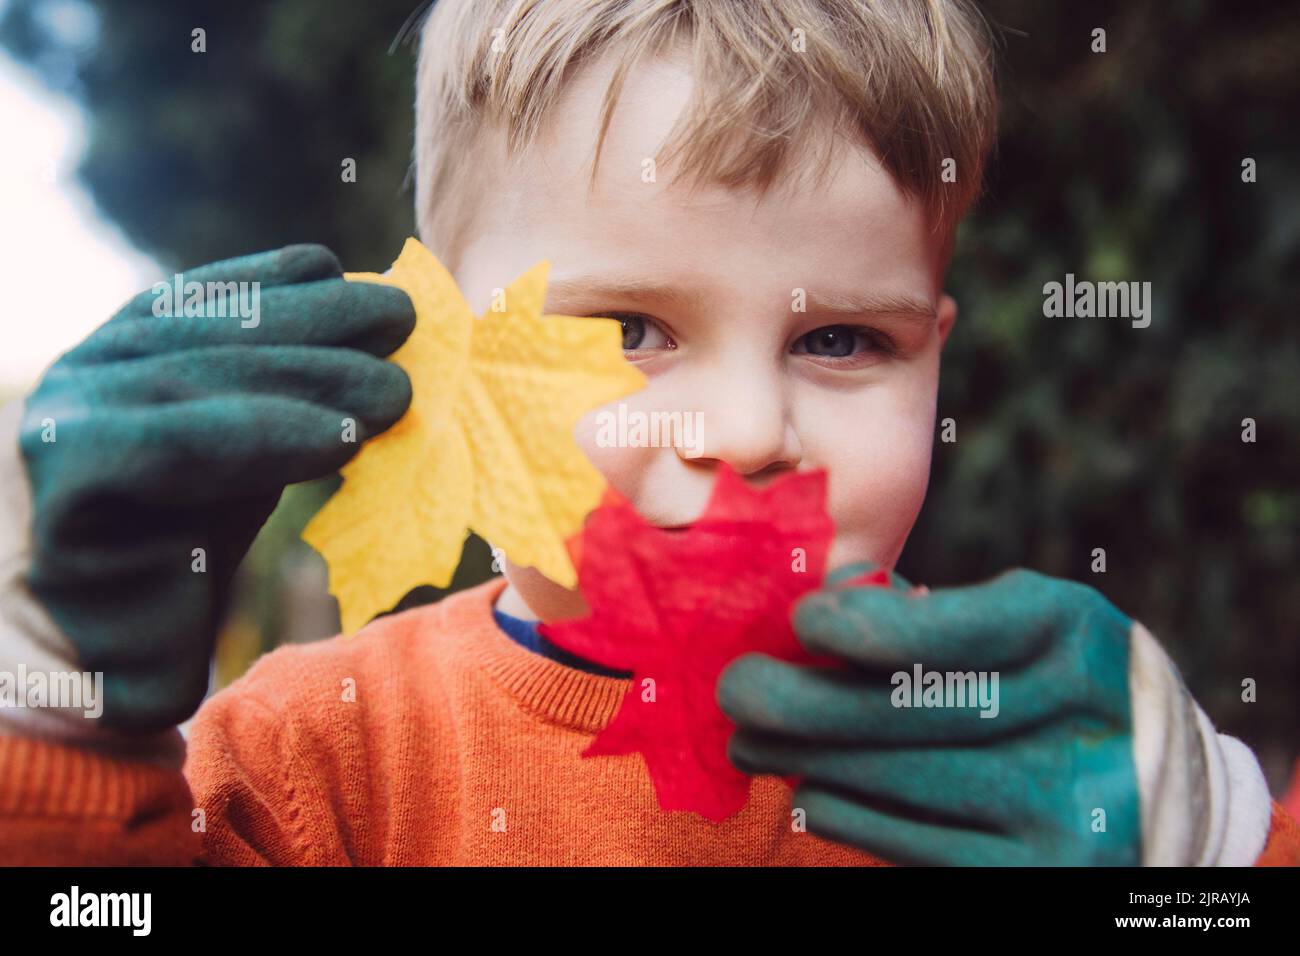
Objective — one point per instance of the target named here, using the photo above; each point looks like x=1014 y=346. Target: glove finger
x=364 y=316
x=965 y=786
x=291 y=264
x=910 y=842
x=1005 y=622
x=187 y=453
x=306 y=262
x=837 y=706
x=377 y=392
x=303 y=262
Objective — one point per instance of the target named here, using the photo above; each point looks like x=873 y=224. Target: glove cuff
x=1203 y=797
x=1242 y=827
x=30 y=641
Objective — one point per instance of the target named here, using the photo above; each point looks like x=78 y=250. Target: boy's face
x=707 y=283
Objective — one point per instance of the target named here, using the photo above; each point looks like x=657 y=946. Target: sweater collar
x=561 y=694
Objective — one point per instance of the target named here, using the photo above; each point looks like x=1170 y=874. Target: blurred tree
x=1072 y=434
x=204 y=156
x=1075 y=434
x=201 y=156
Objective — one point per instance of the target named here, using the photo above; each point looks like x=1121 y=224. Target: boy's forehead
x=633 y=165
x=637 y=217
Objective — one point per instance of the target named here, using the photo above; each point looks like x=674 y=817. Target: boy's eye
x=842 y=341
x=640 y=331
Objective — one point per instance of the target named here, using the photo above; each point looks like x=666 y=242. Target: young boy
x=692 y=169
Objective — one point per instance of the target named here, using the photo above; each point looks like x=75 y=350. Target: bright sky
x=63 y=268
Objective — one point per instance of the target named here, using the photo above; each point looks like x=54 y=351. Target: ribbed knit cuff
x=41 y=780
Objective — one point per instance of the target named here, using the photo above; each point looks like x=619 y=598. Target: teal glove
x=172 y=434
x=1031 y=784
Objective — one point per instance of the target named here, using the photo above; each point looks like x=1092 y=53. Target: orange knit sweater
x=430 y=738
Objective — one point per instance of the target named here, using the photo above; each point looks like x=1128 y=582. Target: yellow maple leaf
x=486 y=446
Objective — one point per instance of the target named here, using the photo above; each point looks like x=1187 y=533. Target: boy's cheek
x=618 y=463
x=876 y=494
x=875 y=534
x=640 y=460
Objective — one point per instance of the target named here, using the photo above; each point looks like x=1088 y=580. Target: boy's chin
x=533 y=595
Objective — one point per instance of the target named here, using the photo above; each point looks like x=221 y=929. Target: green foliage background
x=1073 y=434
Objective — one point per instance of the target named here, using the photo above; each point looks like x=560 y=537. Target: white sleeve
x=30 y=641
x=1203 y=797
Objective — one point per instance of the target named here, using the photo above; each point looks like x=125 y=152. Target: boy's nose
x=748 y=428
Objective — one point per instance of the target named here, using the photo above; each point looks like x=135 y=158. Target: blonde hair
x=912 y=78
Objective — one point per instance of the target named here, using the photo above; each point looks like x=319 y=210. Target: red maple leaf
x=675 y=607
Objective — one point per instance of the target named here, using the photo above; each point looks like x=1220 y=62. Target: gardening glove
x=136 y=475
x=1060 y=733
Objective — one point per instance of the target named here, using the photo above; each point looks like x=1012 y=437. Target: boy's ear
x=947 y=315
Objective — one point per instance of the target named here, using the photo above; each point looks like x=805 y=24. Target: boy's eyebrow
x=871 y=304
x=835 y=303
